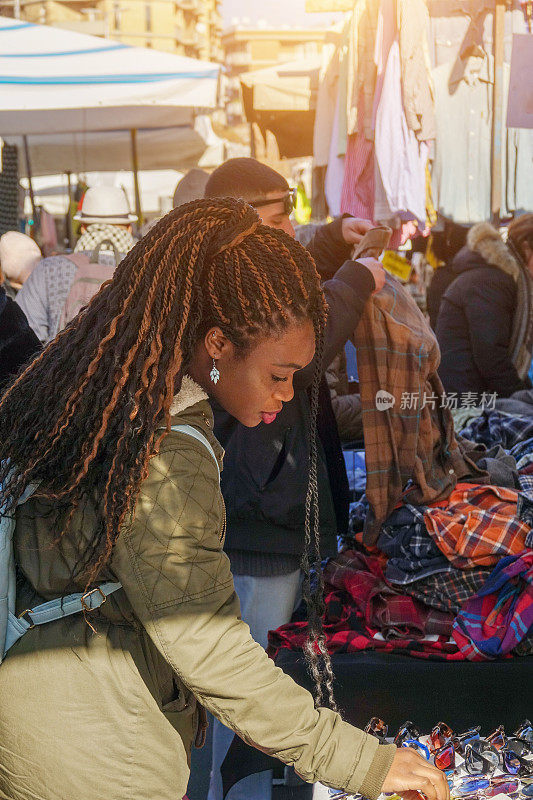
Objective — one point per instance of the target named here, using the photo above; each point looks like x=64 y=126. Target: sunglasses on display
x=480 y=787
x=481 y=791
x=414 y=744
x=515 y=758
x=376 y=727
x=497 y=738
x=289 y=202
x=524 y=732
x=460 y=741
x=444 y=757
x=439 y=736
x=482 y=757
x=406 y=731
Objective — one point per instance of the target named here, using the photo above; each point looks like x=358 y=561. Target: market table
x=397 y=688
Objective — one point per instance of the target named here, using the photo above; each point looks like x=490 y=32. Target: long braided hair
x=84 y=418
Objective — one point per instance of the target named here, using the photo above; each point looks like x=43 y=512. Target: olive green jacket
x=111 y=714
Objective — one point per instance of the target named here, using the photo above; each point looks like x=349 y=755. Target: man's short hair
x=245 y=178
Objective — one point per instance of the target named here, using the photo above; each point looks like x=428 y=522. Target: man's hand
x=354 y=229
x=410 y=771
x=378 y=273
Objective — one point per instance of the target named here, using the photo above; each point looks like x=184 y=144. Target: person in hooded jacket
x=485 y=322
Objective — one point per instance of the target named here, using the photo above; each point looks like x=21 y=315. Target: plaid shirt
x=498 y=427
x=412 y=553
x=477 y=525
x=397 y=353
x=395 y=615
x=449 y=591
x=500 y=616
x=522 y=450
x=526 y=460
x=363 y=613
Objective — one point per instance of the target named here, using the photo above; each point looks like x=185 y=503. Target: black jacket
x=264 y=481
x=442 y=278
x=18 y=343
x=474 y=329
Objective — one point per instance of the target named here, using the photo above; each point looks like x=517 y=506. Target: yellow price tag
x=396 y=265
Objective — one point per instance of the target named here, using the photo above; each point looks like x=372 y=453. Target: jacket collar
x=472 y=69
x=201 y=416
x=189 y=394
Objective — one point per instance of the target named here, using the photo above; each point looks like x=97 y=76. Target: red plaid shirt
x=362 y=612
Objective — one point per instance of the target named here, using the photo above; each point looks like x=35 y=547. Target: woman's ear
x=217 y=344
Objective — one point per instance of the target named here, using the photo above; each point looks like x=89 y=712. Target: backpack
x=12 y=627
x=89 y=277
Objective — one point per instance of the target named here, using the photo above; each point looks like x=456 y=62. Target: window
x=116 y=16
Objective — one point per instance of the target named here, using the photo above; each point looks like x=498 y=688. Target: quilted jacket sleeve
x=177 y=577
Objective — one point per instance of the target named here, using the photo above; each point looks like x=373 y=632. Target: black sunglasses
x=288 y=200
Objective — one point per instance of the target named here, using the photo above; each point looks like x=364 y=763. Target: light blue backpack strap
x=56 y=609
x=75 y=603
x=199 y=436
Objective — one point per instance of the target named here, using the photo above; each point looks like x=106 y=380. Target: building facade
x=247 y=49
x=185 y=27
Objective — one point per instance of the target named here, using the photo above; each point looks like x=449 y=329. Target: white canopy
x=157 y=148
x=54 y=81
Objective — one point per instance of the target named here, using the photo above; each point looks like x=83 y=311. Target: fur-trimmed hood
x=484 y=240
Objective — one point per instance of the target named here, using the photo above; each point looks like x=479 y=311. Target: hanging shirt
x=361 y=77
x=357 y=197
x=416 y=68
x=325 y=103
x=335 y=170
x=400 y=158
x=462 y=166
x=456 y=26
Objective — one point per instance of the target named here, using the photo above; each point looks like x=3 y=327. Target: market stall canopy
x=282 y=99
x=179 y=148
x=58 y=81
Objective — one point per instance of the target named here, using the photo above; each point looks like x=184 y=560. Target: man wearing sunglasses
x=263 y=482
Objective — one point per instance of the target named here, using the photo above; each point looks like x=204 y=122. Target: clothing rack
x=476 y=12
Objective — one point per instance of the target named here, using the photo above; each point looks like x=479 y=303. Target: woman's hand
x=410 y=771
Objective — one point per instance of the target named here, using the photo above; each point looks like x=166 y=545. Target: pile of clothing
x=439 y=560
x=448 y=581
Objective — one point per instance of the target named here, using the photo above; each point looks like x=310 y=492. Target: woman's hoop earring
x=214 y=374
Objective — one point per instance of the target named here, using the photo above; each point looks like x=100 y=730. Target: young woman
x=106 y=707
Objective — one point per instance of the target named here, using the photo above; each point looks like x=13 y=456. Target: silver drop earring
x=214 y=374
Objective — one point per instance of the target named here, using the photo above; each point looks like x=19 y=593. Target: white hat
x=18 y=256
x=107 y=204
